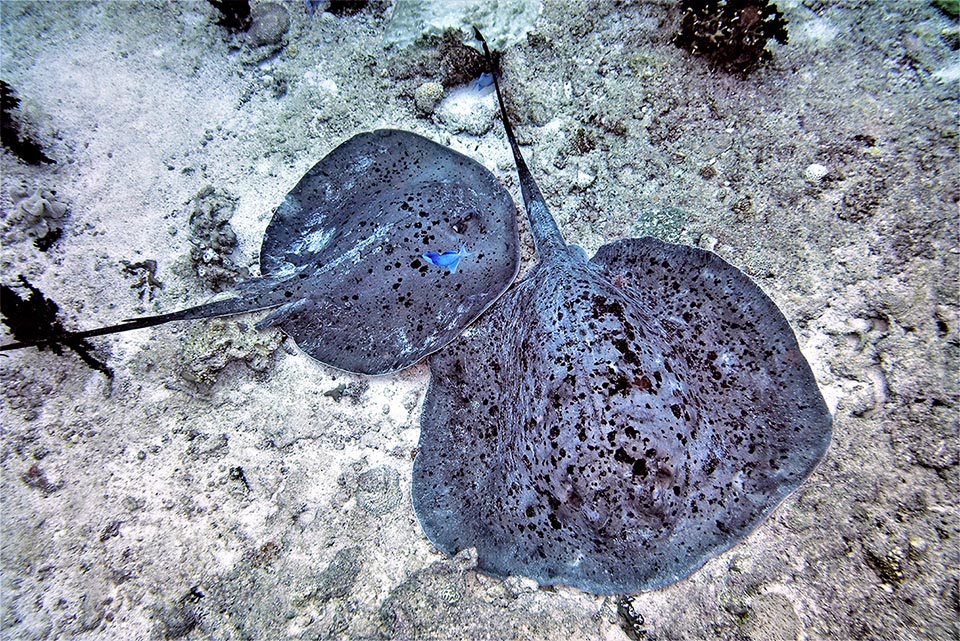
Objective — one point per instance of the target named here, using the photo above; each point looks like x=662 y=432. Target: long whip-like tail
x=546 y=234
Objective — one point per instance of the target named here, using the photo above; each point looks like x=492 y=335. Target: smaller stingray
x=612 y=423
x=342 y=259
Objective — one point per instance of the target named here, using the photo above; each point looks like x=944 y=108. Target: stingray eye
x=460 y=226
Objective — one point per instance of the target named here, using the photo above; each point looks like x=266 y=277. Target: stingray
x=612 y=423
x=345 y=259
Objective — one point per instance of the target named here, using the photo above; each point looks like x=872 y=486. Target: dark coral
x=19 y=144
x=731 y=34
x=346 y=7
x=34 y=320
x=235 y=14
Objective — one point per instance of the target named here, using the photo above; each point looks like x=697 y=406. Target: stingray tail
x=52 y=333
x=546 y=234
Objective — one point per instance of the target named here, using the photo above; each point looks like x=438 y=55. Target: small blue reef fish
x=448 y=259
x=484 y=84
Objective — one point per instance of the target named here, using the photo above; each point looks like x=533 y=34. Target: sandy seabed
x=226 y=486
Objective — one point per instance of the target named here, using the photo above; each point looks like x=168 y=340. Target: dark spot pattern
x=613 y=424
x=341 y=257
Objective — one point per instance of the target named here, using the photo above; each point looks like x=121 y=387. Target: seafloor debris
x=37 y=479
x=444 y=59
x=210 y=347
x=145 y=272
x=353 y=390
x=37 y=213
x=631 y=621
x=176 y=620
x=34 y=320
x=731 y=34
x=237 y=474
x=213 y=238
x=11 y=133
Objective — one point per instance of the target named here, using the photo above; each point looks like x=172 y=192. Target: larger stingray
x=612 y=423
x=343 y=263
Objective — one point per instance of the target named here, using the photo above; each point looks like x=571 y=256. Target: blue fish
x=448 y=259
x=484 y=84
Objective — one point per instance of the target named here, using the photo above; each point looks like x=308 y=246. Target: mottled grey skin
x=611 y=424
x=345 y=248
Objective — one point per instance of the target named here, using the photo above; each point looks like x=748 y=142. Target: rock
x=773 y=617
x=206 y=447
x=708 y=242
x=213 y=238
x=504 y=22
x=584 y=178
x=378 y=490
x=466 y=110
x=427 y=96
x=466 y=559
x=518 y=585
x=815 y=173
x=422 y=599
x=91 y=613
x=338 y=579
x=270 y=24
x=178 y=619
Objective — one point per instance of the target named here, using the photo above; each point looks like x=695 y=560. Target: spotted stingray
x=342 y=259
x=612 y=423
